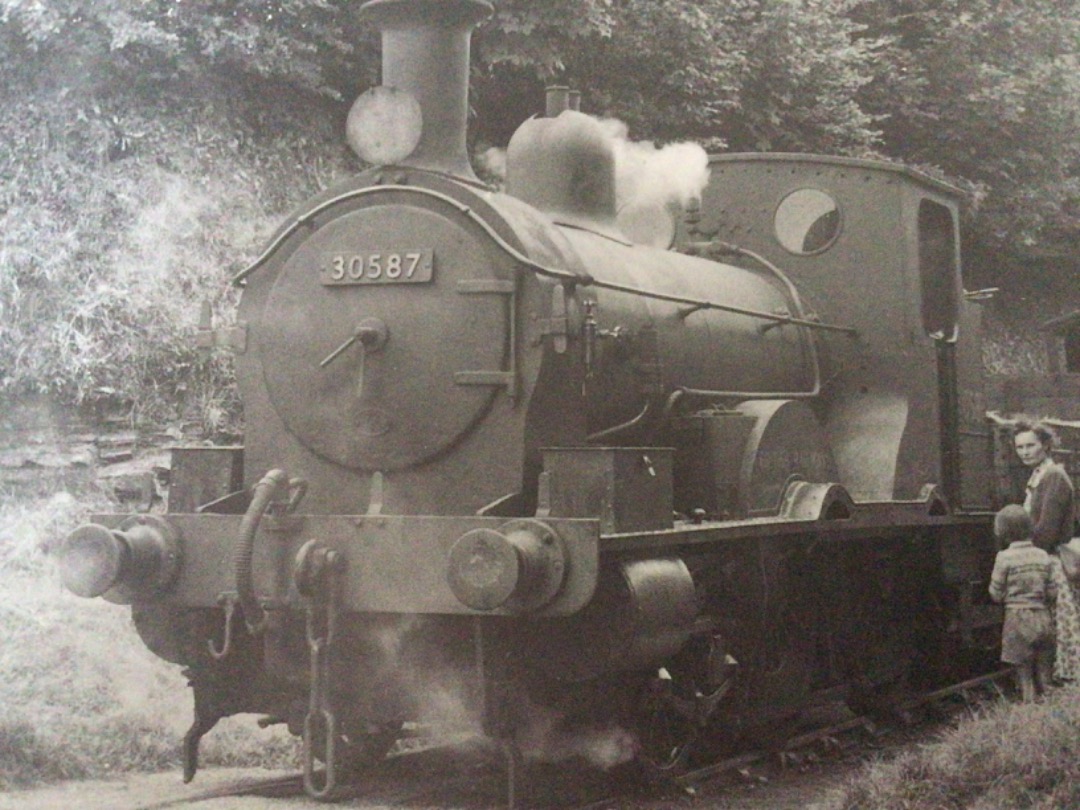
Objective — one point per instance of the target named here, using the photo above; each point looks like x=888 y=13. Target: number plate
x=378 y=267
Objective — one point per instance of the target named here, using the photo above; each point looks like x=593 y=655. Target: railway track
x=827 y=735
x=434 y=775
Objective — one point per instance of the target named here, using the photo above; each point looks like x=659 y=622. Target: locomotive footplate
x=828 y=513
x=393 y=564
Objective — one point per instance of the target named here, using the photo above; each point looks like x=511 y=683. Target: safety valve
x=138 y=560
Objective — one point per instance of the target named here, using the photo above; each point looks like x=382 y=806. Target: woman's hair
x=1042 y=431
x=1013 y=523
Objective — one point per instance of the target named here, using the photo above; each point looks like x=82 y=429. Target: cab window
x=938 y=271
x=807 y=221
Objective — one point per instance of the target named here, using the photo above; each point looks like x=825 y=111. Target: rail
x=826 y=732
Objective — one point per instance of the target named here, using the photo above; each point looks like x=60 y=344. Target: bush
x=123 y=210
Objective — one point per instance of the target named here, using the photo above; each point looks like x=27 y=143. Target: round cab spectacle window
x=807 y=221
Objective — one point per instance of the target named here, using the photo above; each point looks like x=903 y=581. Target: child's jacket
x=1021 y=577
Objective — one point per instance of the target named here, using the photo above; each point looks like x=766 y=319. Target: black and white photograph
x=533 y=404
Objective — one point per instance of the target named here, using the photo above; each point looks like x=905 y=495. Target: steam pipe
x=556 y=100
x=611 y=431
x=559 y=98
x=261 y=499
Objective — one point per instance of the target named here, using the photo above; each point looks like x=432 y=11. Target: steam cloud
x=651 y=176
x=545 y=739
x=650 y=181
x=443 y=695
x=444 y=698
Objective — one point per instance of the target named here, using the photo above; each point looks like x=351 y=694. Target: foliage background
x=151 y=146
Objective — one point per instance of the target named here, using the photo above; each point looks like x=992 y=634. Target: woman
x=1050 y=500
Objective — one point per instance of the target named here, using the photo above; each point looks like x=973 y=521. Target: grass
x=1009 y=756
x=80 y=696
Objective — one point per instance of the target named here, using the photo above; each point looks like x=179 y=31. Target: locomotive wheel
x=667 y=726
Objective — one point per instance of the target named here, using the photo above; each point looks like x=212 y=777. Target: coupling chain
x=320 y=723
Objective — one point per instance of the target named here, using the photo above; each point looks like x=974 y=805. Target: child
x=1022 y=580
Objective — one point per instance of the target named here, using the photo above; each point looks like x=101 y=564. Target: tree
x=749 y=74
x=986 y=92
x=144 y=155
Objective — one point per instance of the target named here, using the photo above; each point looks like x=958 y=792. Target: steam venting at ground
x=444 y=696
x=448 y=702
x=546 y=737
x=650 y=180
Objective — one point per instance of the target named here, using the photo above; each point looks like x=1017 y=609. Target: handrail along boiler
x=493 y=445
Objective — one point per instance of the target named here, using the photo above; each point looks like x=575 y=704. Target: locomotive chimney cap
x=389 y=13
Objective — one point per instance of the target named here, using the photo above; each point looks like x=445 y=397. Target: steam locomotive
x=498 y=449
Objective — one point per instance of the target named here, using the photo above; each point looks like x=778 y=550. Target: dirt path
x=757 y=788
x=763 y=785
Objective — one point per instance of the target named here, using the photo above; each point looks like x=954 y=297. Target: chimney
x=425 y=52
x=559 y=98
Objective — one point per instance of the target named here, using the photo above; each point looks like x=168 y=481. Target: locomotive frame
x=626 y=486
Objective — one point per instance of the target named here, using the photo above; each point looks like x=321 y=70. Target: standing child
x=1022 y=580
